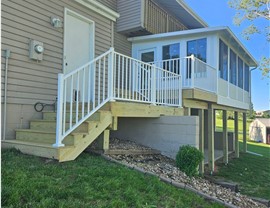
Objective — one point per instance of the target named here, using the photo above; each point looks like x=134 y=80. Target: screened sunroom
x=212 y=60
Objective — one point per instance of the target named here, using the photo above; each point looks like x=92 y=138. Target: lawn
x=90 y=181
x=251 y=172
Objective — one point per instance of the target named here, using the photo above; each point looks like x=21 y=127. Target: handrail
x=111 y=76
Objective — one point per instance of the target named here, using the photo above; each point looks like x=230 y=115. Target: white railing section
x=111 y=76
x=138 y=81
x=195 y=73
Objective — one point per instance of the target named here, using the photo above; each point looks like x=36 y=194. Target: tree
x=250 y=10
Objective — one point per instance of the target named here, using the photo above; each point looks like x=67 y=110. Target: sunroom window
x=198 y=49
x=223 y=60
x=246 y=77
x=240 y=72
x=233 y=75
x=170 y=57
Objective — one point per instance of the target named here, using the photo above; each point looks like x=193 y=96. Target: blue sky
x=218 y=13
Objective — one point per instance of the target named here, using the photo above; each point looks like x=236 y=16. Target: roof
x=224 y=32
x=264 y=121
x=182 y=11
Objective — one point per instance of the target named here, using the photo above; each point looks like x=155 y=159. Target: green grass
x=251 y=172
x=90 y=181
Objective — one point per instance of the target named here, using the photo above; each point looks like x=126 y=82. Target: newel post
x=192 y=70
x=110 y=73
x=59 y=116
x=154 y=85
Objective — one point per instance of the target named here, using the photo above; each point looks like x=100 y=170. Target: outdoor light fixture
x=56 y=22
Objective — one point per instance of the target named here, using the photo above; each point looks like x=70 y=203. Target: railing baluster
x=89 y=89
x=77 y=97
x=99 y=66
x=118 y=71
x=122 y=77
x=83 y=92
x=104 y=77
x=71 y=102
x=65 y=106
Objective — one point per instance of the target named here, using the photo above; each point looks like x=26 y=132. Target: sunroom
x=211 y=60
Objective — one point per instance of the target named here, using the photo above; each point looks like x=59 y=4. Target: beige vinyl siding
x=130 y=14
x=30 y=81
x=121 y=44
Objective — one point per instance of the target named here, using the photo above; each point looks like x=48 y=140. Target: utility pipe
x=7 y=55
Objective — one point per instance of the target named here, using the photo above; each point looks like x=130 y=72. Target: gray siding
x=30 y=81
x=130 y=14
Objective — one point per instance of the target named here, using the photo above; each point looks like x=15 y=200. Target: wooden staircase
x=39 y=139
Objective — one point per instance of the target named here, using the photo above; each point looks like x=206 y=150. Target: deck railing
x=111 y=76
x=195 y=73
x=157 y=20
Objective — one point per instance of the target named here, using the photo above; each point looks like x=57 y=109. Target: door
x=78 y=50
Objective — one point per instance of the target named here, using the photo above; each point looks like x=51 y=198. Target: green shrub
x=188 y=158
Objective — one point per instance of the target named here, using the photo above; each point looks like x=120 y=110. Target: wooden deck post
x=225 y=137
x=201 y=137
x=245 y=132
x=236 y=134
x=187 y=111
x=211 y=148
x=103 y=140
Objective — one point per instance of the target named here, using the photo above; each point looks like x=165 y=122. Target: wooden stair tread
x=14 y=141
x=35 y=131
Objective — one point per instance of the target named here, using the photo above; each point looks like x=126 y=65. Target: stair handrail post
x=154 y=84
x=111 y=73
x=59 y=116
x=192 y=70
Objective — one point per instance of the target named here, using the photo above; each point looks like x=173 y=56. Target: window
x=246 y=77
x=223 y=60
x=171 y=52
x=148 y=56
x=233 y=75
x=198 y=49
x=240 y=72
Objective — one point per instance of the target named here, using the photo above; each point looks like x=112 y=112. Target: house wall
x=30 y=81
x=166 y=133
x=130 y=15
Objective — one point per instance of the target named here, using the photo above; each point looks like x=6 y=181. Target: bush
x=188 y=158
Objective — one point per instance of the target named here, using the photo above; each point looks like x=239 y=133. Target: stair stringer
x=82 y=141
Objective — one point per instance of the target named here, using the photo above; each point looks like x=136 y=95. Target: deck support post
x=104 y=140
x=211 y=147
x=236 y=134
x=225 y=137
x=201 y=138
x=187 y=111
x=245 y=132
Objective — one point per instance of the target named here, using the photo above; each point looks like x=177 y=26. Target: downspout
x=7 y=55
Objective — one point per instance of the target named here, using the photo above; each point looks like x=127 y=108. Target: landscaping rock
x=165 y=168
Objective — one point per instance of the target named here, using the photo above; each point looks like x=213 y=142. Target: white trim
x=99 y=8
x=92 y=33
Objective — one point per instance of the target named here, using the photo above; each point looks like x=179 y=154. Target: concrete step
x=39 y=136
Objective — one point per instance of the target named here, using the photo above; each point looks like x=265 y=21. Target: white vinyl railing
x=195 y=73
x=111 y=76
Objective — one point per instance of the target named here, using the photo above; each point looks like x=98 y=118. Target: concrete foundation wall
x=166 y=133
x=218 y=141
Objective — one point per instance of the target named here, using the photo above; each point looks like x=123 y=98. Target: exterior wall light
x=56 y=22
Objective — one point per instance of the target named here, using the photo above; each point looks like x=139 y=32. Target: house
x=259 y=130
x=151 y=67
